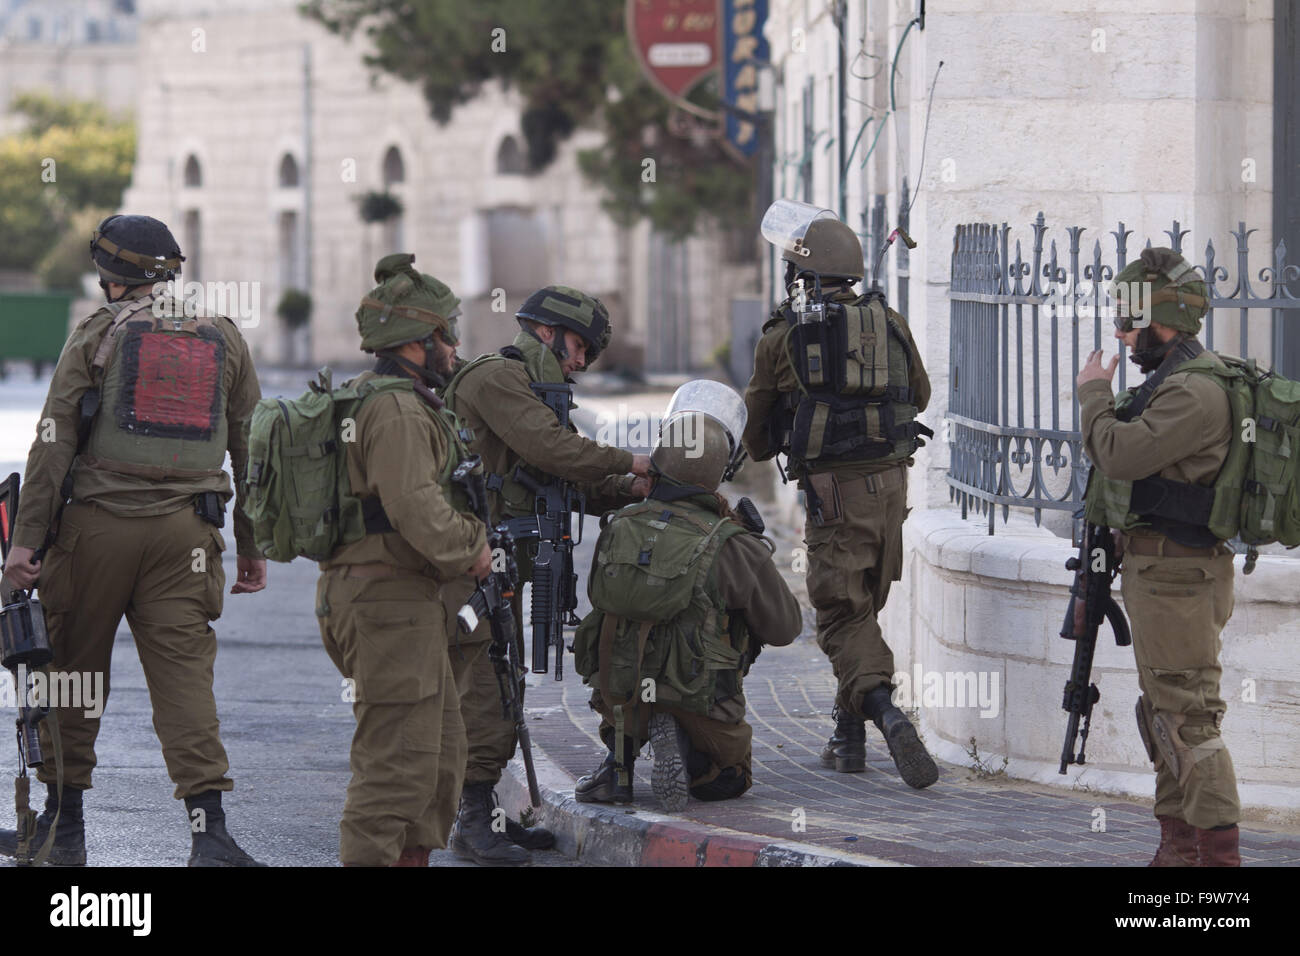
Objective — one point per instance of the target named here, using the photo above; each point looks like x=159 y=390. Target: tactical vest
x=516 y=500
x=162 y=411
x=657 y=613
x=1193 y=515
x=853 y=399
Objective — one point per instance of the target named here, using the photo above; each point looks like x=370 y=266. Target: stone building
x=991 y=111
x=261 y=133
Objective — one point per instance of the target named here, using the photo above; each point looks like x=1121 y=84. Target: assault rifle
x=24 y=650
x=1095 y=568
x=555 y=584
x=492 y=600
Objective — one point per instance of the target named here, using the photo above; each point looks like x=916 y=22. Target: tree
x=572 y=64
x=70 y=156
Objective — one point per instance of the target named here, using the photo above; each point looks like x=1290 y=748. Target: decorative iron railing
x=1007 y=448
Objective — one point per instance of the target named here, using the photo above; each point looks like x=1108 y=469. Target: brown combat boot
x=1218 y=847
x=1177 y=843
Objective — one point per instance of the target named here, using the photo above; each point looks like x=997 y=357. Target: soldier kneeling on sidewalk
x=685 y=593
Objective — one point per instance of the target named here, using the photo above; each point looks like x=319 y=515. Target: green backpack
x=1257 y=494
x=299 y=498
x=656 y=614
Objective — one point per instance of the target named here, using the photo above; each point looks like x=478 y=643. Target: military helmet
x=1178 y=294
x=135 y=250
x=559 y=305
x=699 y=437
x=407 y=306
x=813 y=240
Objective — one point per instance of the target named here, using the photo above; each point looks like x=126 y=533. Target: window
x=288 y=171
x=511 y=160
x=193 y=172
x=394 y=169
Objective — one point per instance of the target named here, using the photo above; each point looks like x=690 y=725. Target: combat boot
x=530 y=838
x=1218 y=847
x=846 y=751
x=69 y=847
x=472 y=836
x=211 y=844
x=672 y=748
x=1177 y=843
x=603 y=786
x=914 y=764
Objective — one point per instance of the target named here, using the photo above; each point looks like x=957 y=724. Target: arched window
x=288 y=171
x=394 y=168
x=511 y=160
x=193 y=171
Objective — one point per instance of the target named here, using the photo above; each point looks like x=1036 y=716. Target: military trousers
x=1178 y=608
x=720 y=764
x=490 y=732
x=164 y=573
x=853 y=559
x=388 y=637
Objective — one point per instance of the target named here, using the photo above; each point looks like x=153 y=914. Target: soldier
x=844 y=414
x=562 y=331
x=679 y=589
x=1175 y=429
x=379 y=598
x=167 y=390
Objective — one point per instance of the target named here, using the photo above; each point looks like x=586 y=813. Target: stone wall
x=993 y=606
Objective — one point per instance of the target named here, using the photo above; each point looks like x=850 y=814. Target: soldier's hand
x=20 y=570
x=252 y=575
x=482 y=565
x=1093 y=371
x=641 y=465
x=640 y=487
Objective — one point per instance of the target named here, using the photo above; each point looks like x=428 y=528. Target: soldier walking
x=837 y=385
x=148 y=397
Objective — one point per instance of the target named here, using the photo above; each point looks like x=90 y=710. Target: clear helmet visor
x=714 y=400
x=786 y=223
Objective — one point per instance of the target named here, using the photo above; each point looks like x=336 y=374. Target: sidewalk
x=870 y=818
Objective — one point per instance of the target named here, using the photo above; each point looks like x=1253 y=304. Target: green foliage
x=71 y=156
x=294 y=308
x=572 y=64
x=67 y=261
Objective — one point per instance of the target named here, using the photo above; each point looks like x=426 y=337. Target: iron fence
x=1005 y=428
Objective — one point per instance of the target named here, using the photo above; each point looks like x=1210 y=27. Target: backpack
x=299 y=498
x=657 y=615
x=1257 y=492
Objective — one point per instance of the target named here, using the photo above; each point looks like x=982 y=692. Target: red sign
x=677 y=41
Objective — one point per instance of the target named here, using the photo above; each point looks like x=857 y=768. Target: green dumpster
x=33 y=325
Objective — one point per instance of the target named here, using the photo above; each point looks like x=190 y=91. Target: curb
x=605 y=835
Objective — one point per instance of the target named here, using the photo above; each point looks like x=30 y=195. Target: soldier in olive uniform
x=562 y=332
x=654 y=620
x=379 y=598
x=145 y=494
x=850 y=448
x=1174 y=430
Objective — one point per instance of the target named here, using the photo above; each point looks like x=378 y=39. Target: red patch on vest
x=177 y=382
